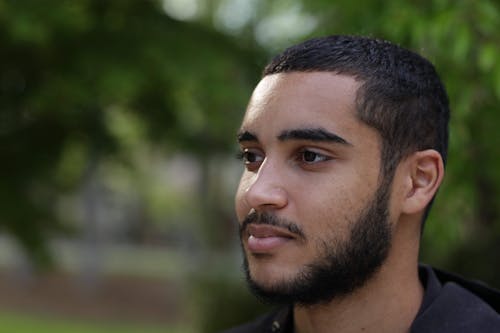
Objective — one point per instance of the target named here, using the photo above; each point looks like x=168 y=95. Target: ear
x=425 y=174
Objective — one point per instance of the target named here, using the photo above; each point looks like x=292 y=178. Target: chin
x=268 y=274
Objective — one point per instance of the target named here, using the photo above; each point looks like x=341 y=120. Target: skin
x=322 y=185
x=328 y=191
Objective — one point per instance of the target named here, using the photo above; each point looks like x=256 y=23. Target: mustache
x=270 y=219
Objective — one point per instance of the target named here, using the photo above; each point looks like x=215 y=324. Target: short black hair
x=401 y=94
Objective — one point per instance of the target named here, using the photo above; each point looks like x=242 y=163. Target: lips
x=266 y=238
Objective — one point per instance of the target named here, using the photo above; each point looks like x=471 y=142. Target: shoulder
x=459 y=306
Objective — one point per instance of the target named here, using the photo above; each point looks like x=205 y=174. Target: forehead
x=312 y=99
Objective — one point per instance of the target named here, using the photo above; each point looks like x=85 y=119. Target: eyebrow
x=246 y=136
x=312 y=134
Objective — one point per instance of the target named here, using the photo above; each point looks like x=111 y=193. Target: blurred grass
x=17 y=323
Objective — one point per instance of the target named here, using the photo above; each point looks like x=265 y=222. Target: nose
x=265 y=190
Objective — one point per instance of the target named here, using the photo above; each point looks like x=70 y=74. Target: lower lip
x=265 y=244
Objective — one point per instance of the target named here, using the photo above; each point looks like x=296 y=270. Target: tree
x=65 y=67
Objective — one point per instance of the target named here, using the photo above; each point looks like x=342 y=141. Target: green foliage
x=222 y=302
x=24 y=324
x=65 y=67
x=85 y=80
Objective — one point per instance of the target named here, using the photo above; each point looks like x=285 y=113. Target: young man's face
x=309 y=203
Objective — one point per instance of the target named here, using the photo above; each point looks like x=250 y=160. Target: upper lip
x=264 y=230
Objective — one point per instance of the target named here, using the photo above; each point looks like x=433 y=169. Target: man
x=344 y=143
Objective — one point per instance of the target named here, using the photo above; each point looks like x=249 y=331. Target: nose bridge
x=268 y=173
x=266 y=188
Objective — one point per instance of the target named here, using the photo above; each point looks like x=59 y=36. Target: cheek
x=330 y=212
x=239 y=200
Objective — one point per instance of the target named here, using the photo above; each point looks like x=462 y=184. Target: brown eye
x=251 y=159
x=311 y=157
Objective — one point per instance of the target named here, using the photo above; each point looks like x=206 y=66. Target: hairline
x=387 y=171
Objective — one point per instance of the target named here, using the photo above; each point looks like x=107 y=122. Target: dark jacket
x=451 y=304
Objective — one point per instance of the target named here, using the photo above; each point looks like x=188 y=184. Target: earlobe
x=425 y=176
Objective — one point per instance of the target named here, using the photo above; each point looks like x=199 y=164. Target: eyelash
x=243 y=156
x=299 y=157
x=240 y=156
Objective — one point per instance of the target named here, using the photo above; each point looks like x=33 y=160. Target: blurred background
x=117 y=145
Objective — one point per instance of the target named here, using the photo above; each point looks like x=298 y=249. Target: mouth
x=266 y=238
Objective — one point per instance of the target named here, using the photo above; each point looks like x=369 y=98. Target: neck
x=388 y=302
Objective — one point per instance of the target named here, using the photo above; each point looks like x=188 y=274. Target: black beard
x=342 y=267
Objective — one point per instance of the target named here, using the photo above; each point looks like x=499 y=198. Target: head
x=338 y=134
x=400 y=93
